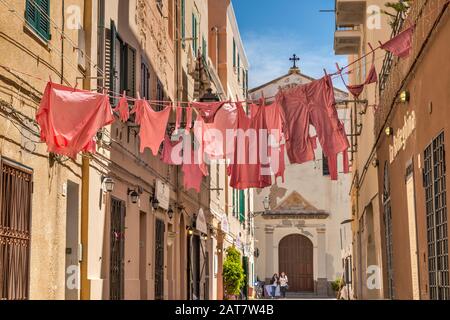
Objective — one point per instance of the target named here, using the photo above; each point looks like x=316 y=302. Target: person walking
x=284 y=286
x=274 y=282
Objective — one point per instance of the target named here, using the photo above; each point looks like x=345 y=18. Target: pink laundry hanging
x=153 y=125
x=188 y=119
x=248 y=170
x=401 y=44
x=70 y=118
x=123 y=109
x=208 y=111
x=193 y=174
x=312 y=104
x=372 y=76
x=169 y=155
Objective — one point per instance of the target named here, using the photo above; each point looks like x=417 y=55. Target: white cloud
x=269 y=55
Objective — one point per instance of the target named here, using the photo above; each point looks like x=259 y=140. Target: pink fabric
x=208 y=111
x=70 y=118
x=213 y=136
x=153 y=125
x=168 y=155
x=188 y=119
x=312 y=104
x=247 y=170
x=372 y=76
x=193 y=175
x=123 y=109
x=401 y=44
x=356 y=90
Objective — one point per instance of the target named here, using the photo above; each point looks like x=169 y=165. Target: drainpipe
x=85 y=282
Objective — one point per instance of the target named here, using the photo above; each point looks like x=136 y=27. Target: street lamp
x=108 y=184
x=134 y=196
x=169 y=212
x=155 y=203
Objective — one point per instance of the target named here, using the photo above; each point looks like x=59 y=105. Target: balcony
x=350 y=13
x=347 y=42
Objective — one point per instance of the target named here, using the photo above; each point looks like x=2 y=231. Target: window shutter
x=37 y=13
x=113 y=58
x=44 y=20
x=242 y=206
x=131 y=71
x=31 y=14
x=183 y=22
x=108 y=50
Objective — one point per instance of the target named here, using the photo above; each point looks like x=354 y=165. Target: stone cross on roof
x=294 y=59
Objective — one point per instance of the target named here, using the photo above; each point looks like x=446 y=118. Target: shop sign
x=402 y=135
x=201 y=222
x=162 y=193
x=224 y=225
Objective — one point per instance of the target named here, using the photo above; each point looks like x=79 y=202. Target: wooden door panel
x=296 y=259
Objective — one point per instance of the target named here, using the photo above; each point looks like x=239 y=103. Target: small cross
x=294 y=59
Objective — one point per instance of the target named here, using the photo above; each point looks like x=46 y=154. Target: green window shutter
x=242 y=206
x=37 y=15
x=204 y=48
x=183 y=22
x=31 y=14
x=194 y=34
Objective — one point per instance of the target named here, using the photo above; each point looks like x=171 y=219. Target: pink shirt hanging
x=70 y=118
x=153 y=125
x=247 y=170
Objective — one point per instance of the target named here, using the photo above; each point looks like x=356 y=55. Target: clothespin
x=50 y=78
x=381 y=43
x=338 y=68
x=325 y=71
x=370 y=46
x=138 y=95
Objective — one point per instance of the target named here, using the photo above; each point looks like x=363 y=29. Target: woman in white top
x=284 y=284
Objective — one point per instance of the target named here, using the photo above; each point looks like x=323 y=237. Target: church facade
x=299 y=223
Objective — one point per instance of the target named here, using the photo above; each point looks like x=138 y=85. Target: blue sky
x=273 y=30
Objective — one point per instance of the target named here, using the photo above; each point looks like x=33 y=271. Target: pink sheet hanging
x=70 y=118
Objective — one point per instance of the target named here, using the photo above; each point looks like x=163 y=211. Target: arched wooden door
x=296 y=259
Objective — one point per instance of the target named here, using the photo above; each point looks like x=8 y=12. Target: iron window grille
x=434 y=178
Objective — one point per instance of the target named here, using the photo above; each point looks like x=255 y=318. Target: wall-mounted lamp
x=219 y=250
x=190 y=231
x=134 y=196
x=155 y=203
x=169 y=212
x=389 y=131
x=266 y=203
x=375 y=163
x=108 y=184
x=404 y=96
x=205 y=237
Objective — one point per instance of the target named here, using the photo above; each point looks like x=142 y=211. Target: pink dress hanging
x=70 y=118
x=153 y=125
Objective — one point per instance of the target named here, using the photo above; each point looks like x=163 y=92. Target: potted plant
x=233 y=274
